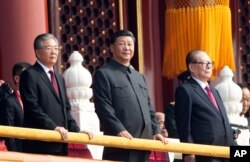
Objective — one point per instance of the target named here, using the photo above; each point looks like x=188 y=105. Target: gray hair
x=38 y=42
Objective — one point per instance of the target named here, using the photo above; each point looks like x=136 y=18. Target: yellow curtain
x=197 y=24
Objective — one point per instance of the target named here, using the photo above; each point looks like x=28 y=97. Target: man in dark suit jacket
x=12 y=108
x=170 y=123
x=122 y=102
x=198 y=119
x=46 y=106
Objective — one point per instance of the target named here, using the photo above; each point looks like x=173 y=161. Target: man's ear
x=190 y=67
x=37 y=53
x=16 y=78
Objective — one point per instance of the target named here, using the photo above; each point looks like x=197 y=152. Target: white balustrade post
x=231 y=95
x=78 y=81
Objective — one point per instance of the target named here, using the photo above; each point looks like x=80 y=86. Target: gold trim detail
x=120 y=7
x=140 y=35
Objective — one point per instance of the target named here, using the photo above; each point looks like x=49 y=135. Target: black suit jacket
x=197 y=119
x=44 y=109
x=12 y=116
x=170 y=123
x=122 y=103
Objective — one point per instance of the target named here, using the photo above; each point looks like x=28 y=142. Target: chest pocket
x=143 y=90
x=122 y=90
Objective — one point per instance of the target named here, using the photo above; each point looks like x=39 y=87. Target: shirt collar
x=120 y=66
x=202 y=84
x=44 y=67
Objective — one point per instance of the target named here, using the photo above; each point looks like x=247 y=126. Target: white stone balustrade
x=231 y=95
x=78 y=81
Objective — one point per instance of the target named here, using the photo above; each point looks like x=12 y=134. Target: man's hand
x=125 y=134
x=63 y=132
x=161 y=138
x=164 y=133
x=90 y=134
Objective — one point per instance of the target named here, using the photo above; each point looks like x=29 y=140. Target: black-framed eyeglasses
x=205 y=64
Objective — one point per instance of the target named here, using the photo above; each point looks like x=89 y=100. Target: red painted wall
x=21 y=21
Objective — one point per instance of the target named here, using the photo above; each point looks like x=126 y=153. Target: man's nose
x=126 y=46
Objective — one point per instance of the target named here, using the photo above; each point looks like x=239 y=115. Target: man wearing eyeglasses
x=46 y=105
x=199 y=111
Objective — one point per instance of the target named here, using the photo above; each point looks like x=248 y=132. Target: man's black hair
x=184 y=76
x=190 y=58
x=120 y=33
x=19 y=67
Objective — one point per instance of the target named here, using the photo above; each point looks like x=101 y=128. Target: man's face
x=161 y=121
x=123 y=49
x=202 y=68
x=48 y=53
x=245 y=100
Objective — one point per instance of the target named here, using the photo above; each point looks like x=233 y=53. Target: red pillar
x=21 y=21
x=152 y=38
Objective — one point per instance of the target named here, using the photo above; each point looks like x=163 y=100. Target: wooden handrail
x=113 y=141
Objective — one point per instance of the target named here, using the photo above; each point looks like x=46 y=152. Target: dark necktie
x=211 y=97
x=54 y=82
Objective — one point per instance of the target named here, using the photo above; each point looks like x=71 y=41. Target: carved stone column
x=78 y=80
x=231 y=95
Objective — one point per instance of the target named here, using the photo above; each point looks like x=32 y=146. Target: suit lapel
x=220 y=104
x=60 y=85
x=201 y=93
x=198 y=89
x=47 y=80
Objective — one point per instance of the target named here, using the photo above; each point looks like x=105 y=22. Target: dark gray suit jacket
x=44 y=109
x=122 y=103
x=198 y=120
x=12 y=116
